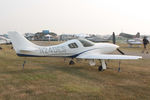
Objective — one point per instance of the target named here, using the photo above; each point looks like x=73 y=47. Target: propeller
x=114 y=38
x=114 y=42
x=120 y=51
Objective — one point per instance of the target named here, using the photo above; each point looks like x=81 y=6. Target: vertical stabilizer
x=19 y=42
x=138 y=35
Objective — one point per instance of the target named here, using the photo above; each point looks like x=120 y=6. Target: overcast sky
x=75 y=16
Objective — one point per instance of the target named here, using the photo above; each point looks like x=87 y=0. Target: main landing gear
x=103 y=65
x=100 y=68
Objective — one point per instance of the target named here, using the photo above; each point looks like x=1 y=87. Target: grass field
x=53 y=79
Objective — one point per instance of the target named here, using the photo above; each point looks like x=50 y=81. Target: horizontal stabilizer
x=27 y=50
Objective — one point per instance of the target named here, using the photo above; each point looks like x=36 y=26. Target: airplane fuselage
x=71 y=48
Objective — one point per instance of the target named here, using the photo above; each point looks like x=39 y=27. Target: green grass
x=53 y=79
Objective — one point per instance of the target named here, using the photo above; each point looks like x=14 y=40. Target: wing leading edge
x=108 y=56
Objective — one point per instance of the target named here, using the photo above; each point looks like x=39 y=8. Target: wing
x=108 y=56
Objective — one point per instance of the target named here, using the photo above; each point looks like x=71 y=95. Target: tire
x=71 y=62
x=100 y=68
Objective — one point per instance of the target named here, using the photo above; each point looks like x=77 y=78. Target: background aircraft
x=76 y=48
x=132 y=39
x=136 y=41
x=4 y=40
x=129 y=36
x=98 y=39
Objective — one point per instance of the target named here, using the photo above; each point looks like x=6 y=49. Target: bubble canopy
x=86 y=43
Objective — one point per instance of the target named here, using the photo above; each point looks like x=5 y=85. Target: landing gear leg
x=103 y=66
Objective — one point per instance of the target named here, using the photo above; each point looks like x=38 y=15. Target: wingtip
x=139 y=57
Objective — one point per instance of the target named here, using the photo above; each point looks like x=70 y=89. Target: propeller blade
x=120 y=51
x=114 y=42
x=114 y=38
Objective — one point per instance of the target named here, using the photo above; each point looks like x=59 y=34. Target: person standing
x=145 y=42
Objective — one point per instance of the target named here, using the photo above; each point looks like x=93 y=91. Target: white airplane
x=4 y=40
x=136 y=41
x=76 y=48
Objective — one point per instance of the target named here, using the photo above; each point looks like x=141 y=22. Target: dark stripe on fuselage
x=73 y=56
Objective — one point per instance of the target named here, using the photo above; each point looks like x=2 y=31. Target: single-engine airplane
x=76 y=48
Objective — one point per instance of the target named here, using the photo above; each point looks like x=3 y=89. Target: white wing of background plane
x=107 y=56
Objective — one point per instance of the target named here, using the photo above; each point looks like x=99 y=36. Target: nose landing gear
x=103 y=65
x=100 y=68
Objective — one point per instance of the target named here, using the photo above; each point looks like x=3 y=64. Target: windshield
x=86 y=43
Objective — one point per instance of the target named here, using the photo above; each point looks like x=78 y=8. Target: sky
x=75 y=16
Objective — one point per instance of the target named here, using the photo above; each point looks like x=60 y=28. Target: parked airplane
x=136 y=41
x=132 y=39
x=4 y=40
x=129 y=36
x=97 y=39
x=76 y=48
